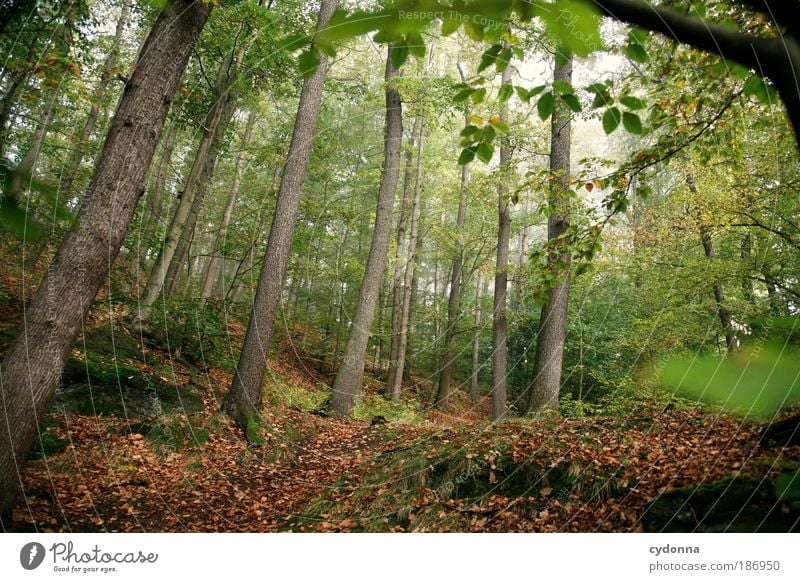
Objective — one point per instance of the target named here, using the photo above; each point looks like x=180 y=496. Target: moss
x=252 y=431
x=48 y=442
x=176 y=433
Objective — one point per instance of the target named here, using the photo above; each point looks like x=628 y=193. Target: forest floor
x=103 y=466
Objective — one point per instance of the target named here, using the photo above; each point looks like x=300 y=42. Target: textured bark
x=412 y=321
x=181 y=254
x=395 y=387
x=21 y=175
x=547 y=362
x=212 y=270
x=243 y=400
x=155 y=199
x=110 y=63
x=347 y=384
x=180 y=216
x=53 y=320
x=476 y=339
x=454 y=300
x=400 y=264
x=499 y=334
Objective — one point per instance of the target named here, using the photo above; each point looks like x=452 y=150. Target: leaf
x=500 y=126
x=503 y=60
x=469 y=130
x=505 y=93
x=756 y=86
x=562 y=87
x=748 y=381
x=467 y=155
x=632 y=102
x=463 y=95
x=308 y=61
x=489 y=57
x=475 y=120
x=545 y=105
x=611 y=119
x=573 y=24
x=399 y=54
x=478 y=95
x=572 y=102
x=632 y=123
x=635 y=52
x=415 y=43
x=485 y=152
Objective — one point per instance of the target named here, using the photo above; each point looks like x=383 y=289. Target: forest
x=399 y=266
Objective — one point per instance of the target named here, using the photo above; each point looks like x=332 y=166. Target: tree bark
x=547 y=363
x=53 y=320
x=399 y=266
x=476 y=339
x=212 y=270
x=347 y=384
x=454 y=299
x=89 y=126
x=499 y=337
x=197 y=174
x=243 y=400
x=396 y=375
x=21 y=175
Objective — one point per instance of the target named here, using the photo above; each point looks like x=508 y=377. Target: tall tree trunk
x=731 y=341
x=6 y=105
x=454 y=299
x=33 y=365
x=347 y=384
x=194 y=182
x=212 y=270
x=109 y=65
x=547 y=363
x=181 y=254
x=499 y=337
x=243 y=400
x=412 y=320
x=396 y=379
x=155 y=198
x=21 y=175
x=476 y=339
x=400 y=264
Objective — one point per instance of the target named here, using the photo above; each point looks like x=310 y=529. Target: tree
x=34 y=362
x=347 y=384
x=547 y=362
x=243 y=400
x=499 y=336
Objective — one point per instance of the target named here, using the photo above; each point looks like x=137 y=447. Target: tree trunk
x=395 y=387
x=109 y=64
x=243 y=400
x=731 y=341
x=155 y=199
x=499 y=337
x=181 y=254
x=194 y=182
x=212 y=271
x=33 y=365
x=399 y=266
x=455 y=297
x=412 y=321
x=476 y=339
x=21 y=175
x=347 y=384
x=547 y=363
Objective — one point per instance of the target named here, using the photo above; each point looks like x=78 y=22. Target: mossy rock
x=105 y=380
x=732 y=505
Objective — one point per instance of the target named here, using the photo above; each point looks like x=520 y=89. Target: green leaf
x=750 y=382
x=632 y=102
x=572 y=102
x=756 y=86
x=473 y=30
x=602 y=100
x=562 y=87
x=485 y=152
x=488 y=133
x=632 y=123
x=463 y=95
x=505 y=93
x=467 y=155
x=478 y=95
x=450 y=25
x=635 y=52
x=597 y=88
x=415 y=43
x=308 y=61
x=503 y=60
x=469 y=130
x=489 y=57
x=573 y=24
x=611 y=119
x=523 y=94
x=500 y=126
x=545 y=105
x=399 y=55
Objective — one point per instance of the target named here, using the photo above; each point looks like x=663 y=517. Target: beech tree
x=34 y=362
